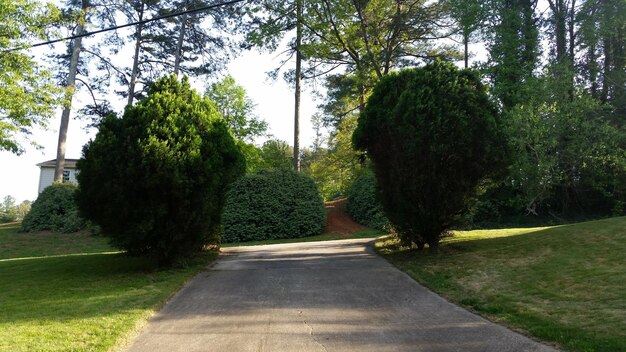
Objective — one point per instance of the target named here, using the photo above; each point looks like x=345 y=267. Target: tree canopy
x=27 y=92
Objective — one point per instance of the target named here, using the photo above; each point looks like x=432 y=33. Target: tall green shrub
x=432 y=134
x=271 y=204
x=55 y=210
x=155 y=179
x=363 y=204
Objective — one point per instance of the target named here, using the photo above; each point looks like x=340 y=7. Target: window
x=66 y=175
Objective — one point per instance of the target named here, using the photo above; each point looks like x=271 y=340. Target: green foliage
x=27 y=93
x=334 y=170
x=55 y=210
x=363 y=204
x=432 y=134
x=8 y=210
x=276 y=154
x=155 y=179
x=73 y=292
x=569 y=160
x=236 y=108
x=513 y=50
x=272 y=204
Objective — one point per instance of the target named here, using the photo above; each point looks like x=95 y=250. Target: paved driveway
x=320 y=296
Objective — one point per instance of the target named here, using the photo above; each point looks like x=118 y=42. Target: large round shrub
x=363 y=204
x=54 y=210
x=432 y=134
x=155 y=179
x=271 y=204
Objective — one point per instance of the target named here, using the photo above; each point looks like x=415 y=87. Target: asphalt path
x=317 y=296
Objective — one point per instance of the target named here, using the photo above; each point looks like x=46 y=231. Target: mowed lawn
x=73 y=292
x=563 y=284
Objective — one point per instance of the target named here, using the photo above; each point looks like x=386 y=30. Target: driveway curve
x=317 y=296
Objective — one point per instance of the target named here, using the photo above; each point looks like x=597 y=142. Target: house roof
x=69 y=163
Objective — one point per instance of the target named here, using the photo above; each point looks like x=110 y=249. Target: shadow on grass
x=68 y=287
x=560 y=284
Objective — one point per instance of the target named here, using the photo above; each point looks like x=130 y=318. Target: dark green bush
x=271 y=204
x=154 y=180
x=55 y=210
x=432 y=134
x=363 y=205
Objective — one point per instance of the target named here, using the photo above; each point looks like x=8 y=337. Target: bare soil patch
x=338 y=221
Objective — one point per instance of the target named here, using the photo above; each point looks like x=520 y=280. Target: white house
x=46 y=175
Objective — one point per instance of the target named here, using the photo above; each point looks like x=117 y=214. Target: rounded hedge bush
x=155 y=179
x=363 y=205
x=432 y=134
x=55 y=209
x=272 y=204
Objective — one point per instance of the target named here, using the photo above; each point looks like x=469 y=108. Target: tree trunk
x=466 y=44
x=298 y=78
x=571 y=30
x=67 y=107
x=607 y=69
x=593 y=70
x=133 y=75
x=181 y=40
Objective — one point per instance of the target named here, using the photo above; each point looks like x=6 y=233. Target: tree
x=154 y=180
x=513 y=49
x=601 y=36
x=365 y=39
x=335 y=169
x=237 y=109
x=196 y=44
x=432 y=134
x=276 y=154
x=27 y=93
x=23 y=209
x=70 y=84
x=469 y=16
x=8 y=210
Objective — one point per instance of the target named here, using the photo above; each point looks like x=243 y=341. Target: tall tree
x=196 y=43
x=469 y=16
x=237 y=109
x=27 y=93
x=513 y=49
x=298 y=81
x=203 y=42
x=70 y=87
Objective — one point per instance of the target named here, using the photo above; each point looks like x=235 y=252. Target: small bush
x=54 y=210
x=272 y=204
x=363 y=205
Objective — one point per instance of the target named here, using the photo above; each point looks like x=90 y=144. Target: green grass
x=73 y=292
x=369 y=233
x=564 y=284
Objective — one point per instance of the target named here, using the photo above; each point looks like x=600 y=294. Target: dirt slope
x=338 y=221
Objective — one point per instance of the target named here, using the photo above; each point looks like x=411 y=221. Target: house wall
x=46 y=177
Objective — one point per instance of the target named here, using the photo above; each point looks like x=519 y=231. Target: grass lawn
x=369 y=233
x=73 y=292
x=563 y=284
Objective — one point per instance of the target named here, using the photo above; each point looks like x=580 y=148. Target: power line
x=204 y=8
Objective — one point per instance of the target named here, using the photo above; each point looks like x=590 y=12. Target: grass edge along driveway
x=563 y=284
x=73 y=292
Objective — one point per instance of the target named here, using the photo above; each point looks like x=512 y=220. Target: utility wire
x=204 y=8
